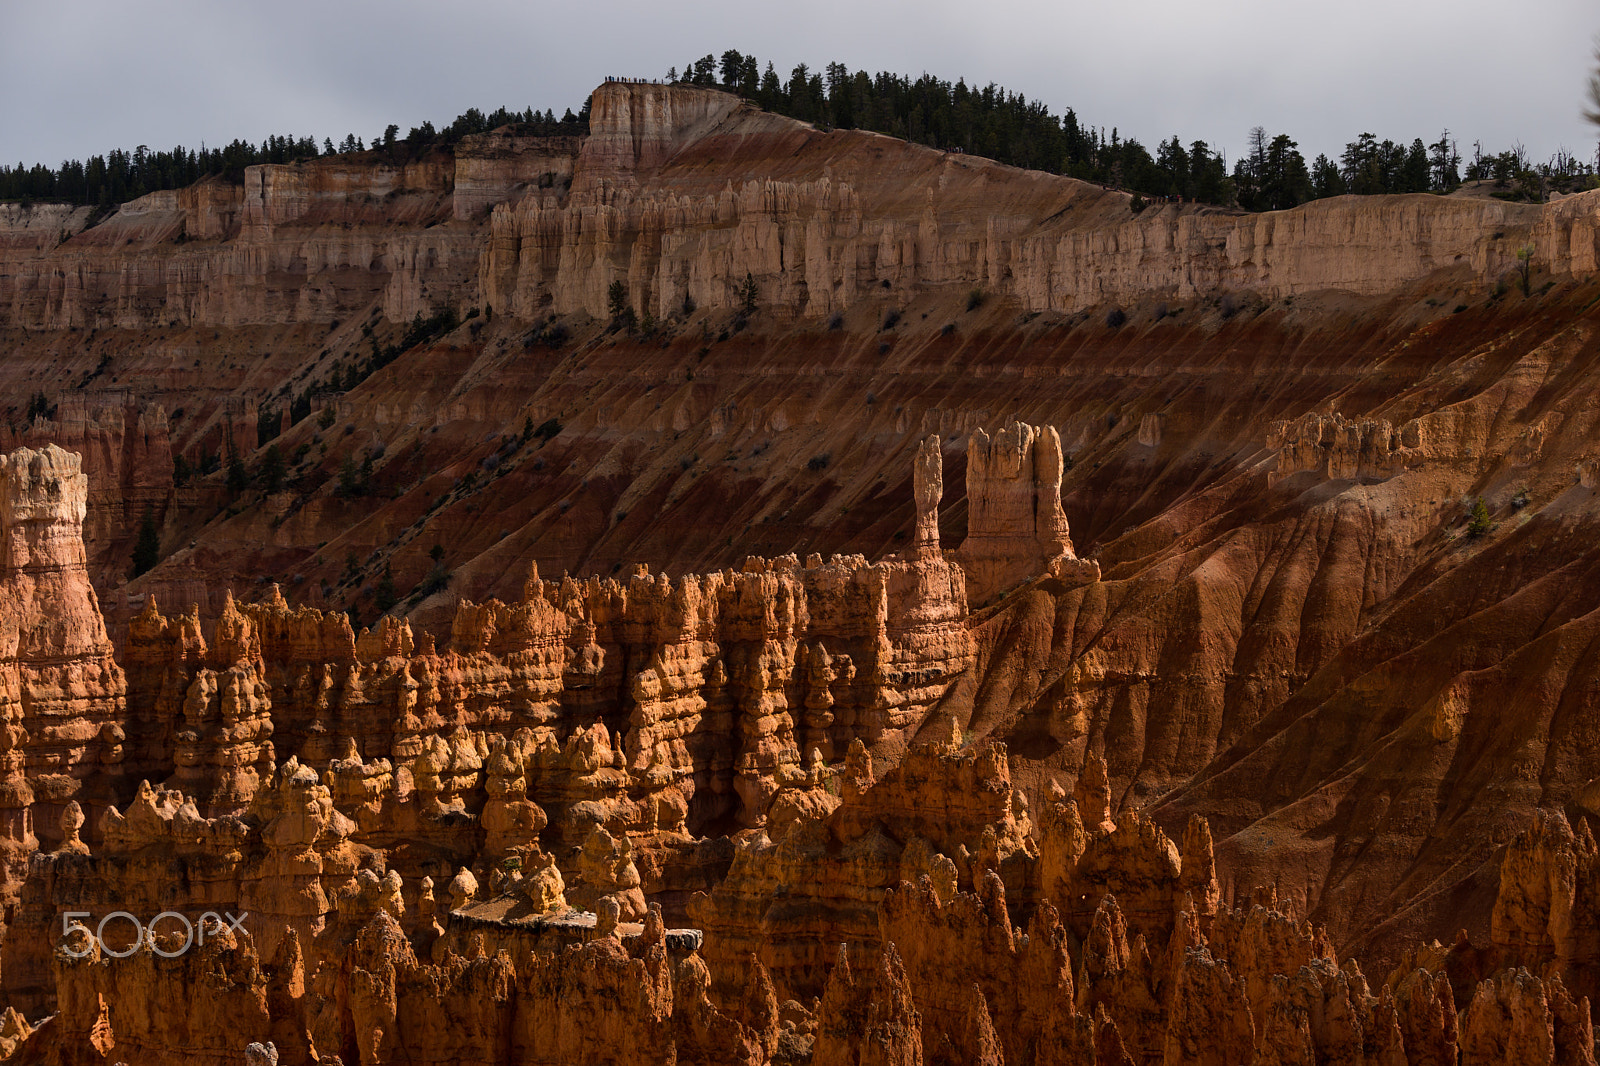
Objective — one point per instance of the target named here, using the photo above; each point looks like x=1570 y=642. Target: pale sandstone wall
x=499 y=166
x=1567 y=236
x=303 y=242
x=1364 y=245
x=815 y=245
x=650 y=198
x=637 y=127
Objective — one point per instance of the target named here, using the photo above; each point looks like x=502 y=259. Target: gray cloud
x=82 y=76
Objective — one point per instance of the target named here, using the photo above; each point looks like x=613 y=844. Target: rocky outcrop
x=36 y=228
x=715 y=681
x=322 y=782
x=1566 y=238
x=1339 y=448
x=61 y=693
x=635 y=127
x=1016 y=529
x=1515 y=1017
x=312 y=240
x=1352 y=244
x=947 y=814
x=736 y=662
x=492 y=168
x=126 y=454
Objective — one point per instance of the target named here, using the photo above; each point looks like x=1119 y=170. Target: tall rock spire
x=54 y=648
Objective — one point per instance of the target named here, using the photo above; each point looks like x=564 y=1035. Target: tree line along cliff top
x=990 y=121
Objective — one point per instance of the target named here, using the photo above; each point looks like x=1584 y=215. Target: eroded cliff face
x=309 y=242
x=291 y=753
x=661 y=196
x=224 y=303
x=1205 y=566
x=823 y=229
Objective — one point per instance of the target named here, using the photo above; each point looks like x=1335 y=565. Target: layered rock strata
x=634 y=202
x=819 y=242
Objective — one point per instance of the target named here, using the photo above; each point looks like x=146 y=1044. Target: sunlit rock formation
x=1015 y=526
x=62 y=696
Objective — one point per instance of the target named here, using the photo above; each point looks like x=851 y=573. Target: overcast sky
x=79 y=77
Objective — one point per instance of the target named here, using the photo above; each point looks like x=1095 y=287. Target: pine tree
x=384 y=596
x=147 y=549
x=1174 y=164
x=238 y=478
x=1416 y=172
x=271 y=472
x=1284 y=181
x=1362 y=166
x=1325 y=178
x=1208 y=175
x=771 y=93
x=1444 y=163
x=1478 y=521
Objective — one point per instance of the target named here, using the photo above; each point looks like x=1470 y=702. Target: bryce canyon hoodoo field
x=955 y=615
